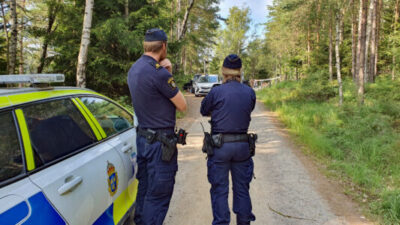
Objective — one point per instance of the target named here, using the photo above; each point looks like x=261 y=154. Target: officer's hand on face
x=166 y=64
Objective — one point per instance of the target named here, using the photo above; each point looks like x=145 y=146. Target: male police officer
x=230 y=106
x=155 y=99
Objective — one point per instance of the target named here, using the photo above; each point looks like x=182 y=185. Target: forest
x=338 y=61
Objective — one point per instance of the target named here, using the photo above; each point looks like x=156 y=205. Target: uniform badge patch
x=112 y=179
x=171 y=83
x=158 y=66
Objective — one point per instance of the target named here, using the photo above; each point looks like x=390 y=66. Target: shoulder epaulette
x=155 y=65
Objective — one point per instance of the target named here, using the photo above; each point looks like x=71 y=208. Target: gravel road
x=288 y=188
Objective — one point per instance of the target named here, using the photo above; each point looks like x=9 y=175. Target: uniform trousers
x=233 y=157
x=156 y=183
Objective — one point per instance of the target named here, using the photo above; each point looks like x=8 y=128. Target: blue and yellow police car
x=67 y=155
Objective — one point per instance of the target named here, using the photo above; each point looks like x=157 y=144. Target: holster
x=208 y=144
x=252 y=143
x=168 y=142
x=168 y=146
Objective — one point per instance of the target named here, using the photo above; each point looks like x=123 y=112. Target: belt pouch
x=217 y=140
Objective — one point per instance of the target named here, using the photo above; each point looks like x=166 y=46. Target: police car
x=67 y=155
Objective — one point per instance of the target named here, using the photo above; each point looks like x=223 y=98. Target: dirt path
x=288 y=188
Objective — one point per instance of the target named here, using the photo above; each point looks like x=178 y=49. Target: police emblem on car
x=112 y=179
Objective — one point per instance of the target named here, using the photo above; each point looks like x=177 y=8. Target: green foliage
x=360 y=144
x=390 y=207
x=232 y=39
x=116 y=38
x=3 y=57
x=316 y=88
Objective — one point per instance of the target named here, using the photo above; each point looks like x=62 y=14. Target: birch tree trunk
x=183 y=28
x=178 y=22
x=395 y=23
x=354 y=42
x=330 y=48
x=85 y=41
x=6 y=34
x=368 y=39
x=14 y=37
x=337 y=50
x=361 y=48
x=373 y=42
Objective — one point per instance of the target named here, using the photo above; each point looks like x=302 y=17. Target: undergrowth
x=360 y=144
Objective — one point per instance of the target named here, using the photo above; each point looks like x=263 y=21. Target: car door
x=20 y=200
x=117 y=124
x=76 y=171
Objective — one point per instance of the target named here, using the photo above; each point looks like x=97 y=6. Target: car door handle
x=70 y=184
x=126 y=148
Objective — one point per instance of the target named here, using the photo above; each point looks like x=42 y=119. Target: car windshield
x=208 y=79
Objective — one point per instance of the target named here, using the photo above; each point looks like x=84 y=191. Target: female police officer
x=230 y=106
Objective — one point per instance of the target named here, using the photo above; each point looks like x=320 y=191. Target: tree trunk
x=395 y=23
x=318 y=21
x=178 y=12
x=21 y=42
x=85 y=41
x=378 y=38
x=183 y=59
x=358 y=62
x=14 y=37
x=6 y=34
x=337 y=50
x=182 y=29
x=330 y=48
x=127 y=11
x=374 y=41
x=354 y=42
x=308 y=44
x=361 y=48
x=368 y=39
x=51 y=20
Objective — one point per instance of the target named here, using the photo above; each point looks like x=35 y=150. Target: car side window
x=112 y=118
x=56 y=129
x=11 y=163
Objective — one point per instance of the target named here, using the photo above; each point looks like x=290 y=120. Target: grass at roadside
x=359 y=145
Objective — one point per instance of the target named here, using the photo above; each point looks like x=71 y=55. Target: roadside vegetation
x=359 y=145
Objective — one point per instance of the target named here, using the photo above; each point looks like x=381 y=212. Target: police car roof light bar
x=32 y=78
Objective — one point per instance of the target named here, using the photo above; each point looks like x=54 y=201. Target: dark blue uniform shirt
x=152 y=87
x=230 y=106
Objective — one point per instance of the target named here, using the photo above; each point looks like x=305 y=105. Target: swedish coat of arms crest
x=112 y=179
